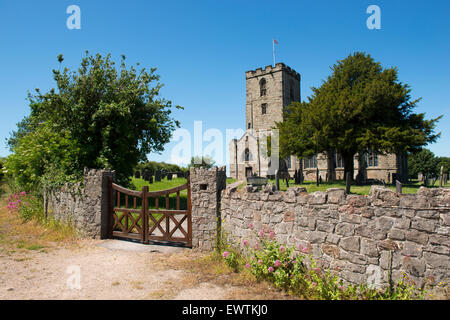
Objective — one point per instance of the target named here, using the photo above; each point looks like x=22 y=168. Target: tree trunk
x=348 y=164
x=331 y=176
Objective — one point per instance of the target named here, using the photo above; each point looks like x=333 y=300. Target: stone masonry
x=361 y=237
x=85 y=207
x=206 y=187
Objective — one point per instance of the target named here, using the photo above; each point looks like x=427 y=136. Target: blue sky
x=203 y=48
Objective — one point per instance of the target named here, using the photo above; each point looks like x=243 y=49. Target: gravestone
x=398 y=186
x=169 y=176
x=277 y=180
x=137 y=174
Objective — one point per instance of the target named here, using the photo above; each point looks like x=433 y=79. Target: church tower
x=268 y=92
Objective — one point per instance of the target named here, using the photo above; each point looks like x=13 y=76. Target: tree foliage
x=153 y=166
x=423 y=162
x=360 y=106
x=201 y=162
x=98 y=116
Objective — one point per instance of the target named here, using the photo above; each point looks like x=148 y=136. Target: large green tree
x=424 y=162
x=99 y=116
x=360 y=106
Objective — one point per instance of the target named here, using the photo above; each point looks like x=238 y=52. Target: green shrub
x=286 y=268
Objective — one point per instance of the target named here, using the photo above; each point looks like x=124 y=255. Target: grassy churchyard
x=310 y=186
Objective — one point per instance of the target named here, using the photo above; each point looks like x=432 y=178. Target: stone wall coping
x=378 y=196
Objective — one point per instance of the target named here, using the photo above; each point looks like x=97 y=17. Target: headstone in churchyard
x=169 y=176
x=389 y=178
x=277 y=180
x=137 y=174
x=441 y=177
x=420 y=177
x=157 y=176
x=398 y=186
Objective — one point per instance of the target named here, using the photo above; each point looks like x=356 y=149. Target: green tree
x=360 y=106
x=110 y=117
x=423 y=162
x=204 y=162
x=443 y=161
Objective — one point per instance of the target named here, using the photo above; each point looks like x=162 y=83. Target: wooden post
x=398 y=186
x=347 y=183
x=441 y=177
x=144 y=215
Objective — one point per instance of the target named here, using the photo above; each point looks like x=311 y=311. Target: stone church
x=268 y=92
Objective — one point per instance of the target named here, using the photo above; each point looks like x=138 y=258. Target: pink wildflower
x=260 y=261
x=270 y=269
x=261 y=233
x=245 y=242
x=247 y=265
x=282 y=248
x=271 y=234
x=300 y=247
x=340 y=288
x=317 y=270
x=314 y=284
x=23 y=193
x=277 y=263
x=305 y=250
x=250 y=226
x=225 y=254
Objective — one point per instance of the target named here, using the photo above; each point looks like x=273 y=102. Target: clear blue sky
x=203 y=48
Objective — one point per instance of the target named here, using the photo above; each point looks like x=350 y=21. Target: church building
x=268 y=92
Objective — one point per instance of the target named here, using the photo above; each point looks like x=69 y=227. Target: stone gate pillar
x=206 y=187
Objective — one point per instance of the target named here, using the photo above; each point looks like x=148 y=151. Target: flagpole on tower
x=273 y=48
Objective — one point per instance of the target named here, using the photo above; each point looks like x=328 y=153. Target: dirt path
x=51 y=262
x=113 y=269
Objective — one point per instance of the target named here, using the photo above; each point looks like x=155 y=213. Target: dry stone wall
x=84 y=206
x=360 y=237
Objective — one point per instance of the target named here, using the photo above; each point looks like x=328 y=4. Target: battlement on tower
x=271 y=69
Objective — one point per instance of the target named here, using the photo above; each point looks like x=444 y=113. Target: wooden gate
x=151 y=215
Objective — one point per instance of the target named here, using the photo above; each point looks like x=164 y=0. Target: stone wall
x=361 y=237
x=85 y=206
x=206 y=186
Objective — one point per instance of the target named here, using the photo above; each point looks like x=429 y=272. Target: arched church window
x=264 y=108
x=247 y=155
x=262 y=87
